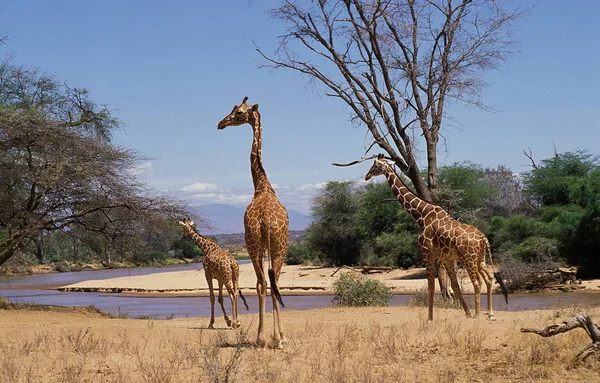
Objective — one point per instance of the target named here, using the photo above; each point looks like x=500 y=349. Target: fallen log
x=365 y=269
x=582 y=320
x=376 y=269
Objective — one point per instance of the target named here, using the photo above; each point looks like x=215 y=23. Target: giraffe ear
x=181 y=223
x=254 y=107
x=191 y=223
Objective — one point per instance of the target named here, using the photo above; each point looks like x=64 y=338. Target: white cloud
x=227 y=199
x=200 y=187
x=310 y=187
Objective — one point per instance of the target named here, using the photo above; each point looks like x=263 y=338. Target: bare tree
x=508 y=195
x=396 y=64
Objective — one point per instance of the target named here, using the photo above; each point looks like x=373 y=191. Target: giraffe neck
x=205 y=244
x=259 y=176
x=415 y=206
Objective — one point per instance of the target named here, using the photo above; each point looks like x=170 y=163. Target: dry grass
x=327 y=345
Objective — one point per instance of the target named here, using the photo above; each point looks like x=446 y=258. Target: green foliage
x=462 y=189
x=150 y=257
x=537 y=250
x=514 y=230
x=561 y=180
x=585 y=248
x=397 y=249
x=300 y=252
x=356 y=290
x=334 y=232
x=185 y=248
x=379 y=210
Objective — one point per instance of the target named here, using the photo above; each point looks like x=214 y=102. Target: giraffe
x=444 y=240
x=219 y=264
x=265 y=222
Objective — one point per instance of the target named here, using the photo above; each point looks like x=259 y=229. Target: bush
x=537 y=250
x=299 y=252
x=399 y=249
x=355 y=290
x=150 y=257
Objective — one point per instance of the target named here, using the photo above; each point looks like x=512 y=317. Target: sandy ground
x=294 y=280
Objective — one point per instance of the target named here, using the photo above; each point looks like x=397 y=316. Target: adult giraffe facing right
x=444 y=239
x=265 y=222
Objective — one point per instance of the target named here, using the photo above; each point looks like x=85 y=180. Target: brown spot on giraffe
x=219 y=264
x=443 y=240
x=265 y=222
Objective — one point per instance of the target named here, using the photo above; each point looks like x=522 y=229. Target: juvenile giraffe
x=265 y=222
x=445 y=240
x=219 y=264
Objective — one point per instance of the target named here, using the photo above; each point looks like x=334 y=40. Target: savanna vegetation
x=396 y=344
x=542 y=218
x=68 y=195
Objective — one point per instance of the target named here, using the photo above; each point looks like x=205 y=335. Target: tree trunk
x=40 y=251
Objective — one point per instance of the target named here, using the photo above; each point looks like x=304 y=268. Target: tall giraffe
x=265 y=222
x=219 y=264
x=445 y=240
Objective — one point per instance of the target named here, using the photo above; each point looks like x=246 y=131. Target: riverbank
x=294 y=280
x=324 y=345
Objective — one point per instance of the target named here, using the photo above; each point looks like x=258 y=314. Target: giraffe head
x=240 y=114
x=378 y=167
x=188 y=227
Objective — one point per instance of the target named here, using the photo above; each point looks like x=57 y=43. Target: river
x=41 y=289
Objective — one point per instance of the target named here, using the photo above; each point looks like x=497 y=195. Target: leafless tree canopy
x=396 y=63
x=509 y=192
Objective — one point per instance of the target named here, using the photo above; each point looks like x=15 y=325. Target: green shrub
x=398 y=249
x=298 y=253
x=150 y=257
x=537 y=250
x=355 y=290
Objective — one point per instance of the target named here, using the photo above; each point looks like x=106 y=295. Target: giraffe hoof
x=210 y=326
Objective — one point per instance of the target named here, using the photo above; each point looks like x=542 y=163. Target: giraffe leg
x=261 y=291
x=430 y=270
x=473 y=271
x=455 y=286
x=233 y=296
x=212 y=301
x=227 y=320
x=487 y=278
x=278 y=334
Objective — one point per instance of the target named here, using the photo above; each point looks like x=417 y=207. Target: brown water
x=41 y=289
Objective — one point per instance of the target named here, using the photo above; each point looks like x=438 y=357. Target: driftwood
x=365 y=269
x=578 y=320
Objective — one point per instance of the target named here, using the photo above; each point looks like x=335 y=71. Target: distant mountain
x=226 y=219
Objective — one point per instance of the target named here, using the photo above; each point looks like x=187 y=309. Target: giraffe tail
x=497 y=274
x=243 y=299
x=274 y=287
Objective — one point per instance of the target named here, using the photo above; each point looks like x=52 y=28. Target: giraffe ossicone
x=219 y=264
x=265 y=222
x=444 y=240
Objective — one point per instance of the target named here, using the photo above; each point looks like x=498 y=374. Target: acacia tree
x=396 y=64
x=58 y=170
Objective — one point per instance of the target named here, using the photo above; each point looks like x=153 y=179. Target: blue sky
x=171 y=70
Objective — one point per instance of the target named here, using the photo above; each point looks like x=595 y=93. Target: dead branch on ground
x=582 y=320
